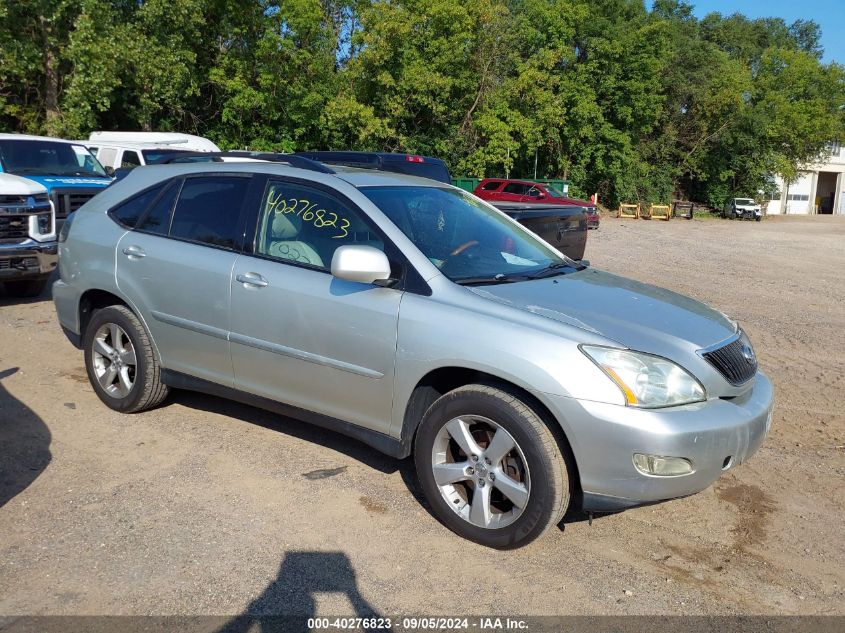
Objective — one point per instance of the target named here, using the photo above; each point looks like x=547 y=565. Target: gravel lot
x=204 y=506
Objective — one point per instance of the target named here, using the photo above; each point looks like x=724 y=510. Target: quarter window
x=208 y=211
x=304 y=225
x=157 y=219
x=130 y=211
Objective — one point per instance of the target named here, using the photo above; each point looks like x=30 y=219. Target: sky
x=829 y=14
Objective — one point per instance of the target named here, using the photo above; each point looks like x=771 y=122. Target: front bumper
x=716 y=436
x=27 y=260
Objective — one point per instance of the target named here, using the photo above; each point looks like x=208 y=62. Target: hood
x=575 y=201
x=636 y=315
x=85 y=182
x=11 y=185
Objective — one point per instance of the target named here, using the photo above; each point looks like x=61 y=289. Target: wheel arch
x=442 y=380
x=94 y=299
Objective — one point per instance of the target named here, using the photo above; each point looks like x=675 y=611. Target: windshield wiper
x=554 y=268
x=34 y=170
x=80 y=172
x=499 y=278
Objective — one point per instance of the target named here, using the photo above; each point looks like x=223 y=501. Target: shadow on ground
x=24 y=443
x=289 y=426
x=289 y=601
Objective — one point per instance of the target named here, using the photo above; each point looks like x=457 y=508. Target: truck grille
x=731 y=362
x=18 y=263
x=14 y=227
x=67 y=202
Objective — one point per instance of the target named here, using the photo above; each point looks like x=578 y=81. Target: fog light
x=662 y=466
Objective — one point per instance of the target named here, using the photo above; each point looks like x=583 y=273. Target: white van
x=132 y=149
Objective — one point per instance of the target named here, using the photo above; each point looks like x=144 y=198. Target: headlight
x=646 y=381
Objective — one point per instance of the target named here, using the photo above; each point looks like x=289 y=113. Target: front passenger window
x=304 y=225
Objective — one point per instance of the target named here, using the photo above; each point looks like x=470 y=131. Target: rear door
x=175 y=267
x=512 y=192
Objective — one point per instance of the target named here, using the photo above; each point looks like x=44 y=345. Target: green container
x=467 y=184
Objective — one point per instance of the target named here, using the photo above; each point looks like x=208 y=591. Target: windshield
x=743 y=201
x=48 y=158
x=462 y=236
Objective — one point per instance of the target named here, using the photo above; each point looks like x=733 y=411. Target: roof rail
x=293 y=160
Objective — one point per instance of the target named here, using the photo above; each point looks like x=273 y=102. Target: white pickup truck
x=28 y=249
x=742 y=208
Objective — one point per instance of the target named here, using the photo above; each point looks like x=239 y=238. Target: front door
x=300 y=336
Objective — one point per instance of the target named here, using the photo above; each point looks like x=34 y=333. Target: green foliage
x=634 y=104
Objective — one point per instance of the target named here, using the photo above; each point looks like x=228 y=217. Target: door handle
x=134 y=251
x=252 y=279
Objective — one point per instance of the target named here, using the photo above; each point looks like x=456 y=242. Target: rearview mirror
x=363 y=264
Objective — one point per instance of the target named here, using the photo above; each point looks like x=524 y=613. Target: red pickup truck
x=526 y=191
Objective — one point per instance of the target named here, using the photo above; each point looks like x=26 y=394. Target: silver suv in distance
x=416 y=318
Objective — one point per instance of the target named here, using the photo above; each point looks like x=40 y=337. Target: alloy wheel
x=114 y=359
x=481 y=471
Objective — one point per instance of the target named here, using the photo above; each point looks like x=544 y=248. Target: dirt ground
x=204 y=506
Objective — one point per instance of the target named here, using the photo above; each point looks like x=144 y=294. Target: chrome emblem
x=748 y=354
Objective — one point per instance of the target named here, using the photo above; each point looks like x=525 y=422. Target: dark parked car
x=562 y=226
x=529 y=192
x=411 y=164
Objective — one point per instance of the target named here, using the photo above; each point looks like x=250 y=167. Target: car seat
x=283 y=242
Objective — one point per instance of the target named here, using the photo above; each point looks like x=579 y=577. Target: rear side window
x=128 y=213
x=516 y=188
x=130 y=159
x=208 y=210
x=157 y=219
x=492 y=186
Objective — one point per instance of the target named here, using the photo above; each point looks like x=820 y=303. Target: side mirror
x=541 y=195
x=363 y=264
x=109 y=170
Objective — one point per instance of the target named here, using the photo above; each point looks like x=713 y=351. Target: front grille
x=13 y=200
x=67 y=202
x=18 y=263
x=732 y=363
x=14 y=227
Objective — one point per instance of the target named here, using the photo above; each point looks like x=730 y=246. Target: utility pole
x=535 y=162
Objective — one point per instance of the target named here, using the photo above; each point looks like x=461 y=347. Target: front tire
x=121 y=362
x=491 y=468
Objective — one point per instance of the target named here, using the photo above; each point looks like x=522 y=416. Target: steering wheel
x=463 y=247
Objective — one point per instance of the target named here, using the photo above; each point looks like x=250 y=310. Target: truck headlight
x=645 y=380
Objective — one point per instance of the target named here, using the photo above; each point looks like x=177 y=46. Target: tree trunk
x=51 y=75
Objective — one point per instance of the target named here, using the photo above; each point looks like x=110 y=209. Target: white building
x=819 y=188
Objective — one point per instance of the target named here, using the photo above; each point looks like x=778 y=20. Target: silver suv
x=416 y=318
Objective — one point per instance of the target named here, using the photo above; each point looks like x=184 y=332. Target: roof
x=353 y=176
x=142 y=145
x=29 y=137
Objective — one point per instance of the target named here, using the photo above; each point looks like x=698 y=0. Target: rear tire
x=121 y=362
x=491 y=468
x=26 y=289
